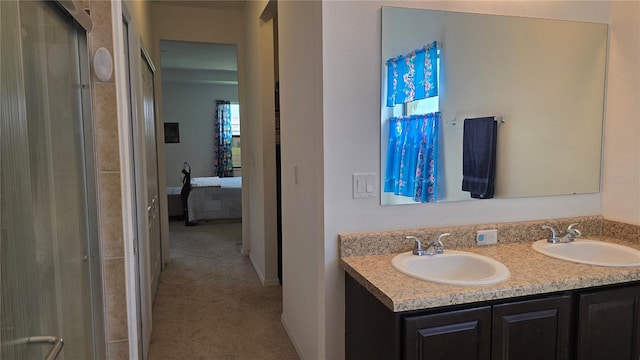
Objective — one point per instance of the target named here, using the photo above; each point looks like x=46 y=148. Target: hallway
x=210 y=303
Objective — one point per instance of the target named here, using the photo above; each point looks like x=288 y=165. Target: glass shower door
x=47 y=213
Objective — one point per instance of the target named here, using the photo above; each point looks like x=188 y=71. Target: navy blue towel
x=479 y=157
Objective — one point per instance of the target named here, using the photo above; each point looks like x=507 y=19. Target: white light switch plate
x=364 y=185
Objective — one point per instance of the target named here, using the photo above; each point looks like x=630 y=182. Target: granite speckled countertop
x=531 y=273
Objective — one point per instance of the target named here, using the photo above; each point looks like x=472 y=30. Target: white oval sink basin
x=592 y=252
x=452 y=267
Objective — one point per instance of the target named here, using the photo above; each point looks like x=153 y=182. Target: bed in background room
x=207 y=198
x=215 y=198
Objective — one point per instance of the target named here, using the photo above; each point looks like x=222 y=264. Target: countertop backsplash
x=390 y=242
x=620 y=230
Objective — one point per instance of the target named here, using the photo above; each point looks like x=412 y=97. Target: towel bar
x=499 y=119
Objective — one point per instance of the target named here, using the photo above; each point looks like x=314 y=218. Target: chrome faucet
x=572 y=233
x=436 y=247
x=417 y=247
x=566 y=238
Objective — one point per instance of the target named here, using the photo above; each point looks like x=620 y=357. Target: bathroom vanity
x=547 y=309
x=590 y=323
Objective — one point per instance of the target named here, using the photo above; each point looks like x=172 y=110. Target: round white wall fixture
x=103 y=64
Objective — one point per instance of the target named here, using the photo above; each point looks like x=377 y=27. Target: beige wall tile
x=106 y=129
x=101 y=38
x=101 y=14
x=111 y=238
x=109 y=191
x=118 y=350
x=115 y=299
x=83 y=4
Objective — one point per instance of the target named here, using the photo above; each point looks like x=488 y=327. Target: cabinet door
x=460 y=335
x=608 y=325
x=533 y=329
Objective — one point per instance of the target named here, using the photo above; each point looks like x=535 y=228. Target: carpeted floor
x=210 y=303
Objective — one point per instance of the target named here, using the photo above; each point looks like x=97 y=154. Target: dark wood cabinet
x=372 y=331
x=593 y=323
x=462 y=335
x=608 y=326
x=533 y=329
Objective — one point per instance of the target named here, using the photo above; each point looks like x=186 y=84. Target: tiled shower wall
x=107 y=158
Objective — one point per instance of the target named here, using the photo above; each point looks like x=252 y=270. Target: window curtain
x=412 y=157
x=413 y=76
x=222 y=159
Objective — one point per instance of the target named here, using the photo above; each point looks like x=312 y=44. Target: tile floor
x=210 y=303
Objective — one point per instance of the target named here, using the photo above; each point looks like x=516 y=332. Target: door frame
x=119 y=15
x=138 y=57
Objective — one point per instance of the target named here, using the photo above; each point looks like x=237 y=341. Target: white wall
x=258 y=153
x=351 y=108
x=192 y=106
x=300 y=57
x=621 y=178
x=140 y=11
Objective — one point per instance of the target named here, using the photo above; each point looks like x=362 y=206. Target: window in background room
x=235 y=131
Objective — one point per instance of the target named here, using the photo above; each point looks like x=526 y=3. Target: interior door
x=47 y=214
x=143 y=316
x=151 y=154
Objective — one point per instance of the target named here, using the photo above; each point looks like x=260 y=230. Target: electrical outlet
x=487 y=237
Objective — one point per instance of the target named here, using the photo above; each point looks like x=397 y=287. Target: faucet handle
x=553 y=237
x=570 y=228
x=574 y=232
x=437 y=246
x=417 y=247
x=441 y=236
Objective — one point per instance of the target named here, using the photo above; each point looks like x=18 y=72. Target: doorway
x=194 y=77
x=49 y=273
x=202 y=131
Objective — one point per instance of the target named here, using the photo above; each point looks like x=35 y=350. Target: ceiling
x=211 y=4
x=197 y=56
x=194 y=62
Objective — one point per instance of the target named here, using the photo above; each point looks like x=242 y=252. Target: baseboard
x=245 y=249
x=264 y=281
x=286 y=329
x=256 y=269
x=271 y=282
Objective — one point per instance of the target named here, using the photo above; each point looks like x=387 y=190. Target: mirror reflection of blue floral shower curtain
x=413 y=76
x=222 y=159
x=412 y=157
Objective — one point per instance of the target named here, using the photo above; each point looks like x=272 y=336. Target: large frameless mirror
x=543 y=80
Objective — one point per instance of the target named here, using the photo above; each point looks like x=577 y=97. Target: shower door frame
x=82 y=24
x=97 y=304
